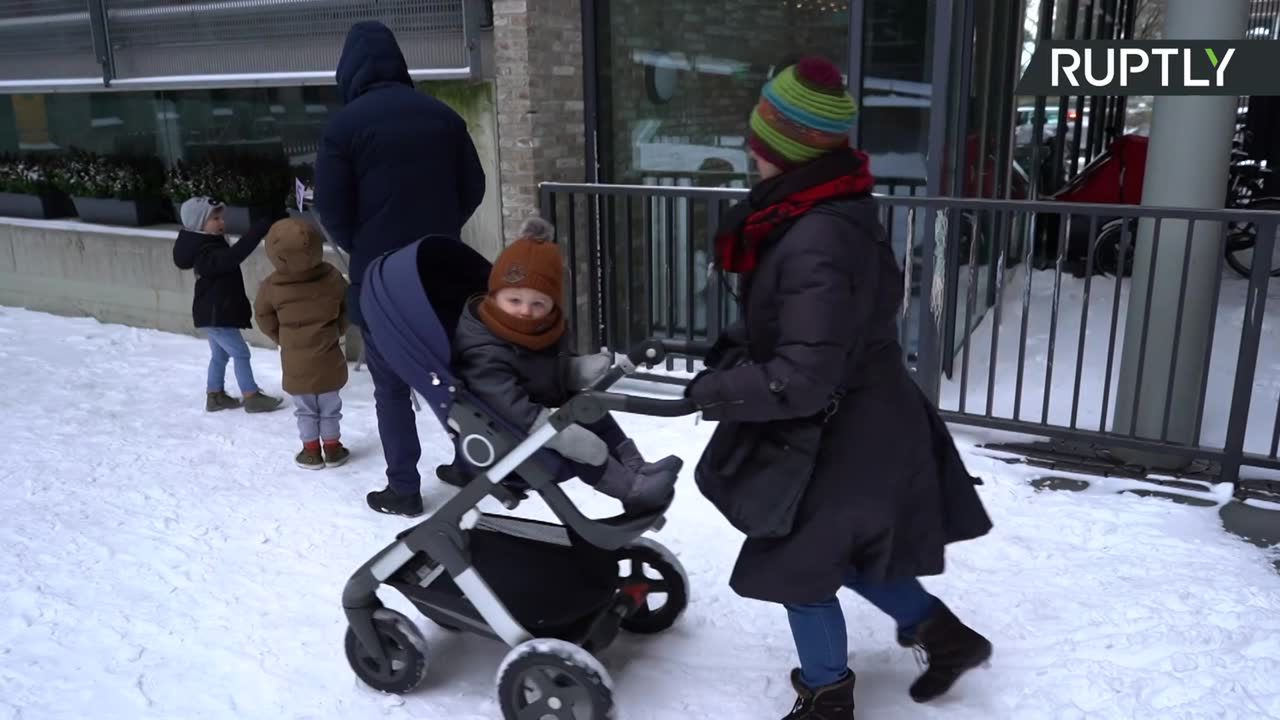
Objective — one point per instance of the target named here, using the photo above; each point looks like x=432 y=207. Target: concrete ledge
x=114 y=274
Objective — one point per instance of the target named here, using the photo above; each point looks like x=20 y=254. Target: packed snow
x=165 y=563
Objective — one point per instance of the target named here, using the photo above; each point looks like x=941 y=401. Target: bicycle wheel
x=1106 y=247
x=1241 y=244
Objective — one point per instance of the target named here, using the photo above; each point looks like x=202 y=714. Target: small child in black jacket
x=510 y=351
x=220 y=306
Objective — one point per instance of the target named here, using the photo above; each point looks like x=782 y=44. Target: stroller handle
x=637 y=405
x=655 y=350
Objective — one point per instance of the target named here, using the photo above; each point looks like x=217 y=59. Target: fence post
x=1250 y=339
x=715 y=297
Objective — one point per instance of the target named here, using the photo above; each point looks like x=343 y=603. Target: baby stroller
x=554 y=593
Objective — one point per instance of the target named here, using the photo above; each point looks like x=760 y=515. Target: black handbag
x=756 y=473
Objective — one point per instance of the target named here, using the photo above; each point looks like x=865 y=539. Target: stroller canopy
x=411 y=301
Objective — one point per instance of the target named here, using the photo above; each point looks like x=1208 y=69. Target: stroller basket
x=552 y=592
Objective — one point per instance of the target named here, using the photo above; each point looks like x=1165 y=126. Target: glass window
x=680 y=77
x=897 y=92
x=182 y=125
x=678 y=80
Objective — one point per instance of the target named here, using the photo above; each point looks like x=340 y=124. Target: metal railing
x=1007 y=322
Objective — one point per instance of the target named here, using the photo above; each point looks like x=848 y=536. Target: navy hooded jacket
x=395 y=164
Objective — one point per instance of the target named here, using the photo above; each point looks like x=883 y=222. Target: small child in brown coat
x=301 y=306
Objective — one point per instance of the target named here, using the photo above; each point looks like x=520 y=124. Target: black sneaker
x=451 y=475
x=390 y=502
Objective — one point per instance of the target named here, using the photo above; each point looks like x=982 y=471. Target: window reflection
x=678 y=80
x=174 y=125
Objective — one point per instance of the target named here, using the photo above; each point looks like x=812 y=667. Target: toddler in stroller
x=556 y=593
x=510 y=352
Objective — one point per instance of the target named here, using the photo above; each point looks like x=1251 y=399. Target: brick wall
x=538 y=46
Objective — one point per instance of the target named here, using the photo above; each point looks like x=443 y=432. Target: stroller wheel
x=554 y=680
x=405 y=647
x=647 y=567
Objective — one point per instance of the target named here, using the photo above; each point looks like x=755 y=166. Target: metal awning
x=83 y=45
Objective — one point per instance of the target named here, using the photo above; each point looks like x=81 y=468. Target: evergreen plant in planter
x=27 y=189
x=114 y=190
x=252 y=187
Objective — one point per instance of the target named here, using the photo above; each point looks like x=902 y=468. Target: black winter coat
x=220 y=299
x=513 y=381
x=890 y=490
x=394 y=164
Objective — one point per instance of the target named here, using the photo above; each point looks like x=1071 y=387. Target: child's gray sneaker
x=261 y=403
x=215 y=401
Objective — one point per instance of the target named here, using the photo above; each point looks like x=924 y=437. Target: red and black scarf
x=775 y=203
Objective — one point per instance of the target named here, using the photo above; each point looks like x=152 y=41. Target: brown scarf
x=533 y=335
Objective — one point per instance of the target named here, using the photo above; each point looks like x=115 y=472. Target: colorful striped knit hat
x=804 y=112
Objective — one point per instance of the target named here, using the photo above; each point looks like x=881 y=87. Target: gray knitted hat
x=196 y=211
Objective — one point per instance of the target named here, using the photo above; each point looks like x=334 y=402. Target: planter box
x=109 y=211
x=41 y=207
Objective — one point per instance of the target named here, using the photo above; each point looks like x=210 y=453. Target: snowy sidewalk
x=161 y=563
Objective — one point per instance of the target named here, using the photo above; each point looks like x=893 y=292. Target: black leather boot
x=829 y=702
x=949 y=649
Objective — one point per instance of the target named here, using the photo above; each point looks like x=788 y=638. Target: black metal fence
x=1120 y=329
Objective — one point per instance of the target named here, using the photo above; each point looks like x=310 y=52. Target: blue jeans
x=227 y=343
x=819 y=630
x=397 y=422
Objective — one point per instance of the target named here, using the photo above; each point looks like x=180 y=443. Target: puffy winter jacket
x=395 y=164
x=220 y=299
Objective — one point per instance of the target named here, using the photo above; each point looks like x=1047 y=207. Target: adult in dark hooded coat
x=821 y=300
x=395 y=165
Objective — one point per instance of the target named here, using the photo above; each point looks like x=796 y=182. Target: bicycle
x=1245 y=189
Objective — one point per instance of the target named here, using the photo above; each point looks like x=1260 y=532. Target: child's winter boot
x=950 y=649
x=261 y=402
x=310 y=457
x=830 y=702
x=643 y=490
x=335 y=454
x=219 y=400
x=632 y=460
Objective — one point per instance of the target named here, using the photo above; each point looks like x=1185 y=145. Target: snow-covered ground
x=161 y=563
x=1101 y=310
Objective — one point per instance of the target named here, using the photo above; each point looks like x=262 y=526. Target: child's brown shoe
x=335 y=454
x=310 y=457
